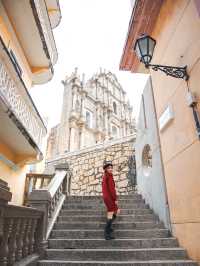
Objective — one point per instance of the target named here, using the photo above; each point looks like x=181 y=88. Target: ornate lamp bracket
x=176 y=72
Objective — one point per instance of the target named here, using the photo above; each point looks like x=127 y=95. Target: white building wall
x=150 y=180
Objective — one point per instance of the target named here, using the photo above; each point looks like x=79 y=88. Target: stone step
x=130 y=196
x=98 y=233
x=117 y=254
x=125 y=218
x=141 y=240
x=116 y=225
x=117 y=263
x=102 y=206
x=67 y=212
x=100 y=201
x=119 y=243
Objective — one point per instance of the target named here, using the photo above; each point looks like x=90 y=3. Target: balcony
x=32 y=26
x=22 y=128
x=54 y=12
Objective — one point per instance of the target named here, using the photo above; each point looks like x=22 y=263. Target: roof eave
x=137 y=26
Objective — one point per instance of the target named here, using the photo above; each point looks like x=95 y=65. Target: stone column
x=104 y=120
x=98 y=114
x=73 y=100
x=82 y=135
x=96 y=85
x=73 y=129
x=105 y=124
x=103 y=90
x=5 y=197
x=109 y=123
x=74 y=96
x=83 y=96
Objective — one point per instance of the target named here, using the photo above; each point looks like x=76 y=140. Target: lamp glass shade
x=137 y=50
x=144 y=48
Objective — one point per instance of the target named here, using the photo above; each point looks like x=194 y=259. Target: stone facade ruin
x=93 y=112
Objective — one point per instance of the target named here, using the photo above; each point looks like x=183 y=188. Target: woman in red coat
x=109 y=197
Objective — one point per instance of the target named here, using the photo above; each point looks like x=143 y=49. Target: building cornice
x=143 y=20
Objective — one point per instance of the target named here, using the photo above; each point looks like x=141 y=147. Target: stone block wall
x=86 y=166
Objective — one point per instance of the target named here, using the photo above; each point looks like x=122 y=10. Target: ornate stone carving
x=21 y=106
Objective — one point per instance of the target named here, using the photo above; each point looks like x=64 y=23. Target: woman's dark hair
x=107 y=164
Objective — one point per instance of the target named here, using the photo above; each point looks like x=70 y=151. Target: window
x=147 y=159
x=15 y=63
x=113 y=90
x=101 y=121
x=77 y=106
x=114 y=131
x=115 y=107
x=88 y=115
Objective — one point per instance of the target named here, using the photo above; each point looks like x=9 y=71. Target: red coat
x=109 y=192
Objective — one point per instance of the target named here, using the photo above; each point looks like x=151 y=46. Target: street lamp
x=144 y=48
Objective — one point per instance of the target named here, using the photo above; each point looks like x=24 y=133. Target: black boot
x=108 y=230
x=113 y=218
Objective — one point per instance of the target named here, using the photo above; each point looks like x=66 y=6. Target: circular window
x=147 y=159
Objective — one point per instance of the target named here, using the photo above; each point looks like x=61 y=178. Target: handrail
x=51 y=198
x=55 y=182
x=19 y=211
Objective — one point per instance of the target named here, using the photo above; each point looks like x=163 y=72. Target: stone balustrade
x=24 y=230
x=20 y=104
x=35 y=181
x=21 y=230
x=50 y=199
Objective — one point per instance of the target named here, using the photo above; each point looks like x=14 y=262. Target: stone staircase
x=141 y=239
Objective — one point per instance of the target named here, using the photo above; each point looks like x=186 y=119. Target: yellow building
x=175 y=25
x=27 y=56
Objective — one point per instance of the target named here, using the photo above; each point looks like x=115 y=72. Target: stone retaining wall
x=86 y=166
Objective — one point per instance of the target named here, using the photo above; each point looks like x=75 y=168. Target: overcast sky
x=90 y=35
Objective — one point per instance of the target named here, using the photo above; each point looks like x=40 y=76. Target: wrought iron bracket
x=176 y=72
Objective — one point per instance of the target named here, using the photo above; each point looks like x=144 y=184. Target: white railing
x=47 y=30
x=21 y=105
x=50 y=198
